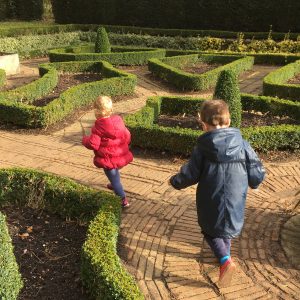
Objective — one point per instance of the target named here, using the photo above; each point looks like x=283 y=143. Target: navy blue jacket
x=223 y=165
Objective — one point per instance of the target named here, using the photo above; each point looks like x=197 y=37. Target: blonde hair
x=103 y=106
x=215 y=112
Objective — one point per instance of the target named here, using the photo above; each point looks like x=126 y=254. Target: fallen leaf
x=24 y=235
x=29 y=229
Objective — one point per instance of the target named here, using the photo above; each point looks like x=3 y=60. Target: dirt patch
x=294 y=80
x=199 y=68
x=47 y=250
x=248 y=119
x=66 y=81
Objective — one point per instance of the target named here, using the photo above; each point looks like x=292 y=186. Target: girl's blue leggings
x=113 y=176
x=220 y=246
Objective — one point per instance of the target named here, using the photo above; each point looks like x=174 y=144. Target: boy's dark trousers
x=220 y=246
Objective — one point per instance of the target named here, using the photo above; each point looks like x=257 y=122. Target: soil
x=294 y=80
x=66 y=81
x=199 y=68
x=47 y=250
x=248 y=119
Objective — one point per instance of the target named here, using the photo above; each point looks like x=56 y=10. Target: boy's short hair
x=215 y=112
x=103 y=106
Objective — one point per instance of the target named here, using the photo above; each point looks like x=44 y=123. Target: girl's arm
x=92 y=141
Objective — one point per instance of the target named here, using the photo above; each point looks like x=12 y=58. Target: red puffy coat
x=109 y=139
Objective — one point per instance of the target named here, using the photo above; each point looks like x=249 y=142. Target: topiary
x=102 y=44
x=228 y=90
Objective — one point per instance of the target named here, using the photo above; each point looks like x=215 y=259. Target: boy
x=223 y=165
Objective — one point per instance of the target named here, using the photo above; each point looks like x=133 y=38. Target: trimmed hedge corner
x=168 y=69
x=10 y=279
x=145 y=133
x=118 y=56
x=274 y=84
x=102 y=271
x=16 y=106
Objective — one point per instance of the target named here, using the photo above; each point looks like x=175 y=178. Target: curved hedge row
x=33 y=90
x=13 y=110
x=259 y=58
x=10 y=279
x=168 y=69
x=146 y=133
x=274 y=84
x=119 y=55
x=102 y=271
x=2 y=77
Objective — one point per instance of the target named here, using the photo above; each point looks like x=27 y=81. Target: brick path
x=160 y=240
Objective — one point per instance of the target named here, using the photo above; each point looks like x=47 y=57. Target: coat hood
x=222 y=145
x=108 y=127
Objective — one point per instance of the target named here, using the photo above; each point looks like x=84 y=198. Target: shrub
x=274 y=84
x=207 y=43
x=2 y=77
x=167 y=69
x=39 y=44
x=13 y=110
x=102 y=44
x=119 y=56
x=10 y=278
x=227 y=89
x=102 y=270
x=147 y=134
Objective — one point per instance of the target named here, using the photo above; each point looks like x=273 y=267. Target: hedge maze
x=102 y=272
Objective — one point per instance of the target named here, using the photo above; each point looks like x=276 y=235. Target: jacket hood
x=222 y=145
x=107 y=127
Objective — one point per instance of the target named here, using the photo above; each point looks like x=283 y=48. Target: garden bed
x=47 y=249
x=66 y=81
x=199 y=68
x=248 y=119
x=102 y=272
x=146 y=133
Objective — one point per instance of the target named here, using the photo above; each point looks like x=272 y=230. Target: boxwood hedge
x=145 y=133
x=119 y=55
x=2 y=77
x=274 y=84
x=38 y=28
x=169 y=70
x=10 y=279
x=102 y=271
x=259 y=58
x=16 y=106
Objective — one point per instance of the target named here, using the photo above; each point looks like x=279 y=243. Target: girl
x=109 y=139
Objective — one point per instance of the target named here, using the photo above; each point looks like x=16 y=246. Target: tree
x=228 y=90
x=102 y=44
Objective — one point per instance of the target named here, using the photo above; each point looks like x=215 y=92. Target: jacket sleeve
x=127 y=135
x=189 y=173
x=255 y=169
x=92 y=141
